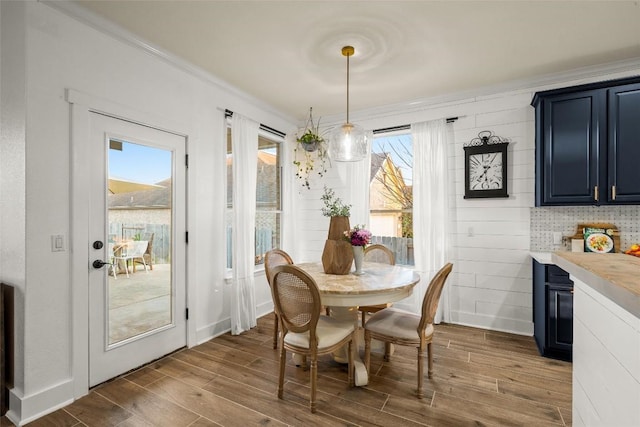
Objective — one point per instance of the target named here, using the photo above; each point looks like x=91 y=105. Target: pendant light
x=348 y=142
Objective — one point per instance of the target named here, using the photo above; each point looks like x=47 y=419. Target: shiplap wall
x=491 y=282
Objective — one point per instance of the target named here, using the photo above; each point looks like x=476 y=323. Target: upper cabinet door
x=569 y=141
x=624 y=144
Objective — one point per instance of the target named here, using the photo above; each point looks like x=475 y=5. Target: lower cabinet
x=553 y=311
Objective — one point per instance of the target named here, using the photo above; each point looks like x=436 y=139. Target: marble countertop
x=616 y=276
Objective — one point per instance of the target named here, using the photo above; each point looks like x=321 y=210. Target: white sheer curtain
x=431 y=204
x=359 y=177
x=244 y=146
x=289 y=213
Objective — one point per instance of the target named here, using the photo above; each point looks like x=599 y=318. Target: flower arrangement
x=334 y=206
x=358 y=236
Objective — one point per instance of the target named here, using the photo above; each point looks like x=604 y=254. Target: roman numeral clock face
x=485 y=171
x=485 y=167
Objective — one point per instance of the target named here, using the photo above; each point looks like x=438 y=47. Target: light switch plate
x=57 y=243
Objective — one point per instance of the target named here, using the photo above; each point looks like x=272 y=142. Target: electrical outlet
x=557 y=238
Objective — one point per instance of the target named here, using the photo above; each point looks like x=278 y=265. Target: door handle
x=99 y=263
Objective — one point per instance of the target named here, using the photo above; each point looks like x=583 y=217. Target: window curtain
x=431 y=205
x=289 y=214
x=359 y=177
x=244 y=146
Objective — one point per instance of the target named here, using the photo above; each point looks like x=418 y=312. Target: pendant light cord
x=348 y=88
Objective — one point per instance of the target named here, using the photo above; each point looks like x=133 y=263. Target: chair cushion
x=397 y=323
x=329 y=332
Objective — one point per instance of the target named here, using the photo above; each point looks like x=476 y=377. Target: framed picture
x=485 y=167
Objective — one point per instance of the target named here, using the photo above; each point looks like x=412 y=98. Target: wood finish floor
x=480 y=378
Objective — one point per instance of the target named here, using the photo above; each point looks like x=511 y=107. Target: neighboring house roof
x=377 y=160
x=118 y=185
x=157 y=196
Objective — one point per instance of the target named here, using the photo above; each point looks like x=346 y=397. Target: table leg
x=341 y=356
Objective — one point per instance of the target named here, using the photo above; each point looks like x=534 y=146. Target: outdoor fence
x=402 y=248
x=160 y=246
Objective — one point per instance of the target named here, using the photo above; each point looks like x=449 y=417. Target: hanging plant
x=310 y=153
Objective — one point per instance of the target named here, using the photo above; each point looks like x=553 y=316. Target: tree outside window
x=391 y=194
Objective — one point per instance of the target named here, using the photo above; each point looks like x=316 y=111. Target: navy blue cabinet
x=553 y=311
x=624 y=144
x=587 y=144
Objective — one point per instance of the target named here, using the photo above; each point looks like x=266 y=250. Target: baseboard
x=25 y=409
x=212 y=330
x=513 y=326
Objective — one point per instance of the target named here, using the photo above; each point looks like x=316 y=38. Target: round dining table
x=378 y=284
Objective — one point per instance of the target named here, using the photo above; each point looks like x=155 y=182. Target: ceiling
x=288 y=53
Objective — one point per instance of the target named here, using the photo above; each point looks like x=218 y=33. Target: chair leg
x=314 y=382
x=283 y=358
x=367 y=351
x=420 y=369
x=364 y=315
x=275 y=331
x=429 y=361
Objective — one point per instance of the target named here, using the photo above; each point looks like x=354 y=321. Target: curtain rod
x=229 y=113
x=406 y=127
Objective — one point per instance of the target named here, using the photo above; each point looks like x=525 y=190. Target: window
x=268 y=196
x=391 y=195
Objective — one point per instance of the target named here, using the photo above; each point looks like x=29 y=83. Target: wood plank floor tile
x=59 y=418
x=94 y=410
x=551 y=397
x=352 y=412
x=209 y=405
x=151 y=407
x=291 y=413
x=490 y=414
x=480 y=378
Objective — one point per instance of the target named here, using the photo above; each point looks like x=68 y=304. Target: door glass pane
x=139 y=194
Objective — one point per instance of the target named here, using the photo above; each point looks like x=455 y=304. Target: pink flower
x=358 y=236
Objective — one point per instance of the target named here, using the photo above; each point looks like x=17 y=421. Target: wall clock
x=485 y=167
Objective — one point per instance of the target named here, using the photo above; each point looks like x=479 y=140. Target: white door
x=137 y=302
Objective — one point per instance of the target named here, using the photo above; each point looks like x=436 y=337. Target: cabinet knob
x=596 y=194
x=613 y=192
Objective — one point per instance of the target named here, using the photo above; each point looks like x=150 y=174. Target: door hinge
x=186 y=313
x=186 y=161
x=186 y=237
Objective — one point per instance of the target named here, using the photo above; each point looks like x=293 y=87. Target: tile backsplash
x=564 y=219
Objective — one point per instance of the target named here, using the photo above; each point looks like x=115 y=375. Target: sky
x=140 y=163
x=384 y=143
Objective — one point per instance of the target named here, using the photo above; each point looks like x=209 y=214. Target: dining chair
x=272 y=259
x=382 y=254
x=304 y=331
x=405 y=328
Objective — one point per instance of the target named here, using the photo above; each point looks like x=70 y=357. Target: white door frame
x=81 y=106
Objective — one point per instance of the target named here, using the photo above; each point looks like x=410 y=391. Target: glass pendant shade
x=348 y=143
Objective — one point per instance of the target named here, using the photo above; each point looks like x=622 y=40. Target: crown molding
x=115 y=31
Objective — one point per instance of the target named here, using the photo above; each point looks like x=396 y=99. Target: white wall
x=45 y=52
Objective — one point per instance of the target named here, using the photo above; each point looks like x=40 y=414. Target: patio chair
x=132 y=251
x=147 y=254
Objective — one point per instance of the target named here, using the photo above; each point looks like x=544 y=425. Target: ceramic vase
x=358 y=259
